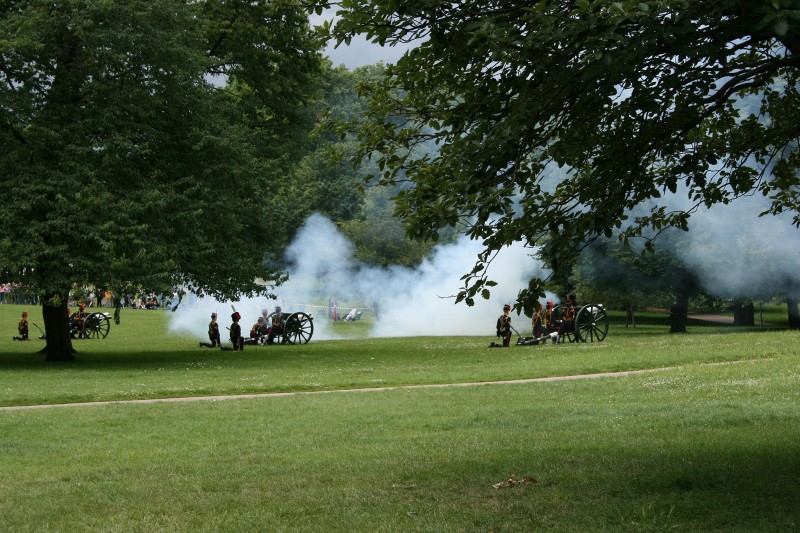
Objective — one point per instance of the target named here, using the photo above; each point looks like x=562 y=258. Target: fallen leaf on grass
x=511 y=482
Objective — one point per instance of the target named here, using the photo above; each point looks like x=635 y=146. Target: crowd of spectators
x=14 y=293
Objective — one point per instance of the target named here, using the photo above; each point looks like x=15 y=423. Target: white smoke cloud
x=408 y=302
x=732 y=251
x=736 y=253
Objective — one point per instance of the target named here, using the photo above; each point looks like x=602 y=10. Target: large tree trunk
x=630 y=320
x=794 y=315
x=678 y=314
x=744 y=314
x=56 y=327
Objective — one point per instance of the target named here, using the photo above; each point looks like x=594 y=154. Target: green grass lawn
x=709 y=442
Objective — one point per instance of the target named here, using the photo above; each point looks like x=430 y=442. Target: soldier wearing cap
x=213 y=333
x=78 y=319
x=23 y=328
x=504 y=326
x=276 y=327
x=259 y=329
x=236 y=333
x=567 y=324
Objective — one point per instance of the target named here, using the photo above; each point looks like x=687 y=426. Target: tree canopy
x=629 y=100
x=138 y=139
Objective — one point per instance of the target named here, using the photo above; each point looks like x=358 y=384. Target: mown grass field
x=708 y=440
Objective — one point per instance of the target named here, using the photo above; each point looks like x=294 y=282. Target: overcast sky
x=359 y=52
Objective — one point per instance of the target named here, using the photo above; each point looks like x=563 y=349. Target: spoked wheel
x=591 y=324
x=298 y=328
x=96 y=326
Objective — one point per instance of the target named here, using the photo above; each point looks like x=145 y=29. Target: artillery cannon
x=297 y=328
x=590 y=324
x=93 y=326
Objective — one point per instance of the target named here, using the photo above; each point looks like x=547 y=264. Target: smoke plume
x=404 y=301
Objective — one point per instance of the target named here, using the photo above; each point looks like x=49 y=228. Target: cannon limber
x=565 y=323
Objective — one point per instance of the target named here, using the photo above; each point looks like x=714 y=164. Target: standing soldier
x=536 y=321
x=236 y=333
x=567 y=324
x=23 y=328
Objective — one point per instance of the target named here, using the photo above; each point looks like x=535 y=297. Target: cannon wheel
x=96 y=326
x=591 y=323
x=298 y=328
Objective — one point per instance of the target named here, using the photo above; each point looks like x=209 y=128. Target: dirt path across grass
x=337 y=391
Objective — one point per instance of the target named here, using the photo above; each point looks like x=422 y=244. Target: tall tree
x=137 y=140
x=632 y=98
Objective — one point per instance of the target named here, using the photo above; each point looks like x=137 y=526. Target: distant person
x=503 y=328
x=213 y=333
x=236 y=333
x=567 y=323
x=536 y=321
x=259 y=329
x=276 y=327
x=22 y=327
x=77 y=320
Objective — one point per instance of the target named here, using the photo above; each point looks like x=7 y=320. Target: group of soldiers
x=264 y=331
x=547 y=322
x=76 y=323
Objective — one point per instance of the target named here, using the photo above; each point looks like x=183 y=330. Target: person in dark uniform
x=236 y=333
x=213 y=333
x=567 y=323
x=23 y=328
x=276 y=328
x=536 y=321
x=503 y=328
x=78 y=320
x=259 y=329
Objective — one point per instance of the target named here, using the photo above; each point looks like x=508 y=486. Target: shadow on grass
x=124 y=361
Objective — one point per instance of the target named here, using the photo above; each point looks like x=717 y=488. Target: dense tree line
x=139 y=141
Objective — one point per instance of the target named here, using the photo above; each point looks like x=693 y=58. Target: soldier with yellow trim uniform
x=213 y=333
x=567 y=323
x=22 y=327
x=503 y=328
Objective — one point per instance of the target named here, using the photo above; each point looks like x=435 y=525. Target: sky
x=359 y=52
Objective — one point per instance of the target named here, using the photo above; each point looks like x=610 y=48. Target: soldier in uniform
x=503 y=328
x=567 y=323
x=213 y=333
x=536 y=321
x=23 y=328
x=259 y=329
x=276 y=327
x=236 y=333
x=77 y=320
